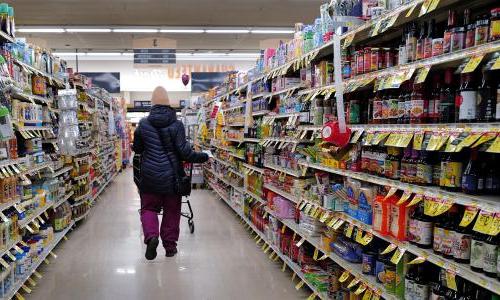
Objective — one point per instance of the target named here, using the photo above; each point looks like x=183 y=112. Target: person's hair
x=160 y=96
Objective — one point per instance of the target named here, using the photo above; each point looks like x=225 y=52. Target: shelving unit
x=288 y=121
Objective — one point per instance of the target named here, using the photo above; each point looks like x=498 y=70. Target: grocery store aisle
x=104 y=257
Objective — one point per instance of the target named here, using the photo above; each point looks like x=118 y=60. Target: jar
x=367 y=59
x=495 y=24
x=376 y=59
x=481 y=31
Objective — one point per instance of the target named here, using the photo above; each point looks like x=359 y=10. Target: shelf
x=286 y=140
x=61 y=171
x=281 y=193
x=218 y=192
x=252 y=140
x=283 y=115
x=237 y=156
x=32 y=170
x=5 y=38
x=223 y=162
x=255 y=196
x=81 y=176
x=9 y=246
x=31 y=69
x=77 y=199
x=58 y=236
x=4 y=206
x=254 y=168
x=295 y=173
x=235 y=140
x=63 y=199
x=260 y=113
x=472 y=127
x=237 y=124
x=30 y=97
x=227 y=182
x=233 y=108
x=83 y=216
x=36 y=214
x=490 y=203
x=293 y=266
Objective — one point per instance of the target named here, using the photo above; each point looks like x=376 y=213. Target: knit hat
x=160 y=97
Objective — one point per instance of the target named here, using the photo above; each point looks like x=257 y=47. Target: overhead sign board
x=155 y=56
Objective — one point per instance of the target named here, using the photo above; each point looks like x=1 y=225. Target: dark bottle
x=411 y=42
x=458 y=38
x=404 y=165
x=411 y=171
x=468 y=98
x=407 y=114
x=471 y=175
x=421 y=284
x=420 y=228
x=410 y=282
x=462 y=243
x=431 y=30
x=424 y=169
x=492 y=180
x=470 y=29
x=434 y=100
x=486 y=98
x=421 y=41
x=447 y=99
x=490 y=255
x=448 y=31
x=438 y=233
x=401 y=103
x=451 y=172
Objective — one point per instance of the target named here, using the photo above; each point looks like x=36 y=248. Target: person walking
x=160 y=139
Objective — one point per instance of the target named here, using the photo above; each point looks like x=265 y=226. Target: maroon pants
x=151 y=204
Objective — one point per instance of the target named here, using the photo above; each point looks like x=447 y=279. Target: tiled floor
x=104 y=257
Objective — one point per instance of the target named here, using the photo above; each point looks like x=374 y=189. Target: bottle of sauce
x=467 y=99
x=402 y=51
x=419 y=105
x=470 y=30
x=421 y=41
x=471 y=175
x=447 y=99
x=490 y=255
x=428 y=40
x=495 y=24
x=451 y=172
x=463 y=237
x=411 y=43
x=448 y=238
x=449 y=31
x=481 y=30
x=438 y=233
x=458 y=38
x=421 y=227
x=487 y=94
x=477 y=251
x=424 y=169
x=434 y=99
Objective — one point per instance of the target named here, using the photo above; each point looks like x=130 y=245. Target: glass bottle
x=434 y=99
x=411 y=42
x=458 y=38
x=486 y=97
x=490 y=255
x=471 y=175
x=421 y=41
x=421 y=227
x=419 y=104
x=424 y=169
x=448 y=239
x=451 y=172
x=477 y=251
x=448 y=31
x=470 y=29
x=447 y=99
x=463 y=239
x=438 y=233
x=428 y=40
x=468 y=98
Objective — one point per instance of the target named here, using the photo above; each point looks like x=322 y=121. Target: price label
x=443 y=206
x=484 y=138
x=332 y=222
x=406 y=195
x=337 y=225
x=299 y=285
x=416 y=199
x=359 y=235
x=283 y=228
x=360 y=289
x=404 y=140
x=469 y=215
x=468 y=141
x=450 y=280
x=368 y=295
x=495 y=228
x=422 y=74
x=357 y=134
x=495 y=147
x=376 y=28
x=4 y=263
x=430 y=206
x=312 y=296
x=417 y=260
x=472 y=64
x=484 y=222
x=496 y=65
x=366 y=239
x=433 y=5
x=389 y=249
x=353 y=283
x=344 y=276
x=369 y=138
x=302 y=240
x=348 y=40
x=349 y=231
x=316 y=253
x=324 y=217
x=398 y=254
x=425 y=7
x=418 y=140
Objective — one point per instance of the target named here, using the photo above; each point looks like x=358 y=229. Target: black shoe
x=151 y=248
x=170 y=252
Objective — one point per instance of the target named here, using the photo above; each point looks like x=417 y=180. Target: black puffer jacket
x=161 y=140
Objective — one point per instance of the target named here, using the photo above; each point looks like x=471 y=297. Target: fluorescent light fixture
x=41 y=30
x=90 y=30
x=182 y=30
x=244 y=54
x=70 y=53
x=128 y=54
x=104 y=54
x=227 y=31
x=272 y=31
x=135 y=30
x=215 y=58
x=208 y=54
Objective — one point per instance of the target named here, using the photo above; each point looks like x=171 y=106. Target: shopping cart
x=188 y=168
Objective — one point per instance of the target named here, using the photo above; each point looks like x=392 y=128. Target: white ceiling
x=240 y=13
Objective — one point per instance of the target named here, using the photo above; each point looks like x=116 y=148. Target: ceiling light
x=227 y=31
x=244 y=54
x=41 y=30
x=209 y=54
x=91 y=30
x=70 y=53
x=135 y=30
x=272 y=31
x=182 y=30
x=128 y=53
x=211 y=58
x=104 y=54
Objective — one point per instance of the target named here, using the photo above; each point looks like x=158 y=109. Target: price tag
x=422 y=74
x=406 y=195
x=353 y=283
x=338 y=224
x=348 y=40
x=3 y=217
x=418 y=140
x=376 y=28
x=324 y=217
x=356 y=136
x=409 y=12
x=425 y=7
x=302 y=205
x=433 y=5
x=404 y=140
x=283 y=268
x=417 y=260
x=312 y=296
x=484 y=222
x=348 y=233
x=4 y=264
x=359 y=235
x=369 y=138
x=416 y=199
x=302 y=240
x=299 y=285
x=391 y=192
x=495 y=228
x=366 y=239
x=344 y=276
x=484 y=138
x=38 y=275
x=469 y=215
x=495 y=147
x=443 y=206
x=468 y=141
x=367 y=295
x=18 y=250
x=472 y=63
x=315 y=255
x=332 y=222
x=12 y=257
x=398 y=254
x=450 y=280
x=430 y=206
x=325 y=256
x=496 y=65
x=389 y=248
x=26 y=289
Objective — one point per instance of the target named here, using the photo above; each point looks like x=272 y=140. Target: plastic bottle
x=4 y=18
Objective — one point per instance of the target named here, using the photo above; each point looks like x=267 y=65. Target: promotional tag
x=345 y=275
x=398 y=254
x=360 y=289
x=406 y=195
x=389 y=249
x=302 y=240
x=299 y=285
x=472 y=63
x=484 y=222
x=353 y=283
